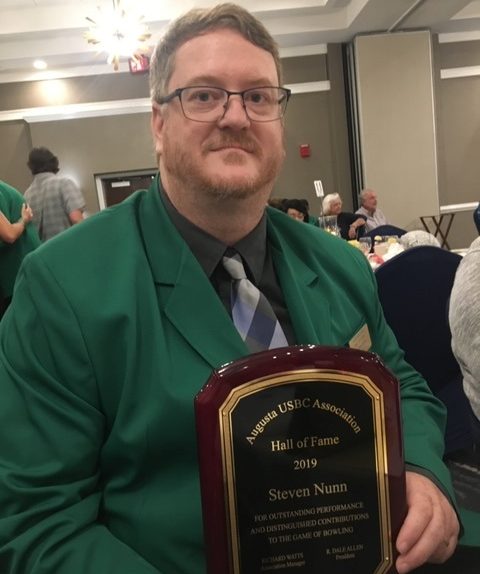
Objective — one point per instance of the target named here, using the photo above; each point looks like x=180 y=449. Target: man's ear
x=157 y=122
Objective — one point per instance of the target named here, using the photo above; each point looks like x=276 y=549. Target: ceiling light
x=40 y=64
x=118 y=32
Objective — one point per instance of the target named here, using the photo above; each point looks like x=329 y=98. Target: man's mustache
x=236 y=141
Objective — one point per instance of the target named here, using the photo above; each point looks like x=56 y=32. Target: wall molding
x=296 y=51
x=460 y=72
x=309 y=87
x=453 y=37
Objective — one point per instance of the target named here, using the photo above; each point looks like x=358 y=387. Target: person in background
x=100 y=360
x=17 y=238
x=296 y=209
x=56 y=201
x=368 y=208
x=464 y=318
x=351 y=225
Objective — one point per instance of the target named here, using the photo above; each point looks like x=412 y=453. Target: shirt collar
x=44 y=175
x=209 y=251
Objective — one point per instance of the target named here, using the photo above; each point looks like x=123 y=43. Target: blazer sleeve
x=52 y=434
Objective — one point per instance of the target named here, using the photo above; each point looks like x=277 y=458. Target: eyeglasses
x=208 y=104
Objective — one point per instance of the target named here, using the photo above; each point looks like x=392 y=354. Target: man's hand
x=430 y=530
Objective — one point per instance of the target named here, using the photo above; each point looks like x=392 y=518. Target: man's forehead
x=223 y=51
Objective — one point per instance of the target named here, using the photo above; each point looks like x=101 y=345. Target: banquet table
x=382 y=250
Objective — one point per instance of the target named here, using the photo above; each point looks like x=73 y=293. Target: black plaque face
x=306 y=485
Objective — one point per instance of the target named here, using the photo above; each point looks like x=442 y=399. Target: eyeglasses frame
x=178 y=93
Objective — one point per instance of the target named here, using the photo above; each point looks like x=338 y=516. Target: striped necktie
x=252 y=314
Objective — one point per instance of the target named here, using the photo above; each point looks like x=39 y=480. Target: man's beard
x=189 y=173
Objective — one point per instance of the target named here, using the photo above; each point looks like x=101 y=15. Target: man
x=17 y=238
x=99 y=465
x=56 y=201
x=374 y=216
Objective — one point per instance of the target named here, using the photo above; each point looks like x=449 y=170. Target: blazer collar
x=184 y=292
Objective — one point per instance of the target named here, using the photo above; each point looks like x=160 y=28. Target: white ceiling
x=54 y=29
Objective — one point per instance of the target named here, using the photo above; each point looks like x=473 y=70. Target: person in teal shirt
x=116 y=325
x=17 y=238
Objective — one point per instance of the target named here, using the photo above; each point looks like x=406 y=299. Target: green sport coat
x=113 y=330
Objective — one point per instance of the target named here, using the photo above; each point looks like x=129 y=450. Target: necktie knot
x=234 y=266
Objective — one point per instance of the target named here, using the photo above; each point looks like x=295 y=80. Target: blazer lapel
x=184 y=293
x=301 y=287
x=193 y=306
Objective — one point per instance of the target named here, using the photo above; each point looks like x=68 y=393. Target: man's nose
x=235 y=114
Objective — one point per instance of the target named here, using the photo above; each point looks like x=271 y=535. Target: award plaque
x=301 y=463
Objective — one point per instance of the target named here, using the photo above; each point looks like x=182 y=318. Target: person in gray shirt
x=56 y=201
x=369 y=210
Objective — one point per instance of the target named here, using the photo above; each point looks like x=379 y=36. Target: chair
x=476 y=217
x=414 y=289
x=386 y=230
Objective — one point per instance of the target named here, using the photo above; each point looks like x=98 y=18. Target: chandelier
x=118 y=32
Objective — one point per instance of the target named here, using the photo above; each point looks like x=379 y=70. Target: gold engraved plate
x=320 y=488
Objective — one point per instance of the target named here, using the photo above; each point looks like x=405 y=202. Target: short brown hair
x=197 y=22
x=42 y=160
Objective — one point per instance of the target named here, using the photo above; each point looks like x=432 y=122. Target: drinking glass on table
x=380 y=247
x=365 y=244
x=383 y=244
x=329 y=224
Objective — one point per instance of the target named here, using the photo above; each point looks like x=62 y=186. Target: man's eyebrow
x=215 y=81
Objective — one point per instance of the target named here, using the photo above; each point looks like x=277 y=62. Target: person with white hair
x=351 y=225
x=368 y=209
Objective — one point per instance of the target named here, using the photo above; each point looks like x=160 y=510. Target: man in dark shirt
x=100 y=361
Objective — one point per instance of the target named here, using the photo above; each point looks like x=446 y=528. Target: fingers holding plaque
x=301 y=463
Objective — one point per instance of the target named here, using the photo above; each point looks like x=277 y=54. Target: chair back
x=476 y=217
x=386 y=230
x=414 y=289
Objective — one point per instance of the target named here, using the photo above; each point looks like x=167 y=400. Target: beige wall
x=15 y=144
x=21 y=95
x=397 y=124
x=318 y=119
x=298 y=174
x=90 y=146
x=458 y=134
